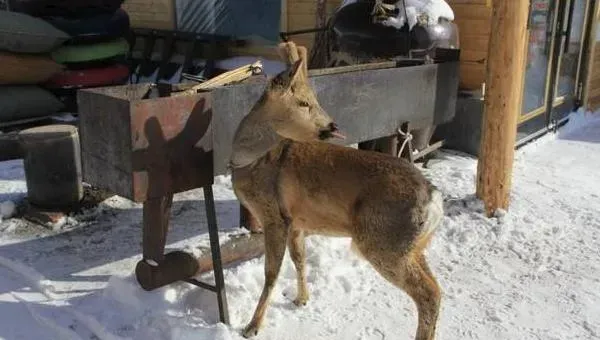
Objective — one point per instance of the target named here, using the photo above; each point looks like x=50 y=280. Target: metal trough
x=366 y=104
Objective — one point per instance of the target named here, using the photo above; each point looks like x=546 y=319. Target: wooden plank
x=502 y=105
x=594 y=92
x=470 y=2
x=472 y=75
x=474 y=43
x=591 y=101
x=473 y=19
x=594 y=102
x=301 y=21
x=156 y=14
x=310 y=8
x=476 y=56
x=482 y=27
x=471 y=11
x=301 y=13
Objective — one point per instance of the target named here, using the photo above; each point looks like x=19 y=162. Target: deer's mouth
x=331 y=131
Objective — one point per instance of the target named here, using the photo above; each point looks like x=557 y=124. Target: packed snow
x=530 y=273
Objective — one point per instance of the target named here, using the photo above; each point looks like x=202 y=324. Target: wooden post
x=504 y=91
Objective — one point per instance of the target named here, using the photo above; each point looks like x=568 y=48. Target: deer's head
x=293 y=109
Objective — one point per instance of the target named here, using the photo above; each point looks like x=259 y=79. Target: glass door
x=540 y=45
x=572 y=34
x=555 y=48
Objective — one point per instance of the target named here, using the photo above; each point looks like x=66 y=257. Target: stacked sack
x=26 y=44
x=95 y=55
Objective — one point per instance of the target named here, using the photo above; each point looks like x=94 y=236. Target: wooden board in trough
x=366 y=104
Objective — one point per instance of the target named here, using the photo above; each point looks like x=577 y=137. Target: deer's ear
x=288 y=78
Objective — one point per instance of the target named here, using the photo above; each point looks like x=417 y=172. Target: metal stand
x=158 y=269
x=215 y=248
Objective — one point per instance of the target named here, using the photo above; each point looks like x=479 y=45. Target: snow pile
x=12 y=181
x=7 y=209
x=581 y=126
x=426 y=12
x=529 y=273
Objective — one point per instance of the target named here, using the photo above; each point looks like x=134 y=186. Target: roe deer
x=297 y=184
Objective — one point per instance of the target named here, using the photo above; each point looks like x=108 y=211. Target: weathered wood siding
x=473 y=18
x=592 y=88
x=156 y=14
x=301 y=14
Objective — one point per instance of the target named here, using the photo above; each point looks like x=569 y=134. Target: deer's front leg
x=298 y=254
x=275 y=233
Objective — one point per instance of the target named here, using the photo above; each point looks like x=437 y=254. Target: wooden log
x=176 y=266
x=156 y=213
x=180 y=266
x=237 y=249
x=504 y=91
x=233 y=76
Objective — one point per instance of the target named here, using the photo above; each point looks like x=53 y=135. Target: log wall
x=301 y=14
x=473 y=18
x=156 y=14
x=592 y=87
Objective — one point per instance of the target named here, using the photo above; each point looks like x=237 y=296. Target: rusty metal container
x=142 y=146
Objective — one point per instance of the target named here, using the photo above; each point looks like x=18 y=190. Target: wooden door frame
x=543 y=109
x=589 y=44
x=582 y=77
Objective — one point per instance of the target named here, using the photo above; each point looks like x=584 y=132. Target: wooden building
x=562 y=64
x=562 y=67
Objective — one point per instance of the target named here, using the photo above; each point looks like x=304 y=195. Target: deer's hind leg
x=275 y=233
x=411 y=273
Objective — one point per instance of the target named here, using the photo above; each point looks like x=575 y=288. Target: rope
x=407 y=138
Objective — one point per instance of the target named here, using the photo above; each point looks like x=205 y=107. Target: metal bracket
x=215 y=248
x=157 y=269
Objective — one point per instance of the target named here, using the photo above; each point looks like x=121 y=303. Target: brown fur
x=297 y=185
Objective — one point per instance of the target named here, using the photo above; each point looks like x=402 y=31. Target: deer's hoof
x=250 y=331
x=301 y=301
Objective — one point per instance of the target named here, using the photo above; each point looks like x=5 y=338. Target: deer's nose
x=333 y=126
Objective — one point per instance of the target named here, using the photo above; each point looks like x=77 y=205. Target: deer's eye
x=303 y=103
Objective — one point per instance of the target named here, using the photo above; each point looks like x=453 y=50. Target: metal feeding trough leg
x=157 y=269
x=219 y=287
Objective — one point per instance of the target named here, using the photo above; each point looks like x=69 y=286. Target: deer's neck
x=253 y=140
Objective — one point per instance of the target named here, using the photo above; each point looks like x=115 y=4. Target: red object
x=101 y=76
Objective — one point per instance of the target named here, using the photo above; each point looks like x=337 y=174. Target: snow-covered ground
x=533 y=273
